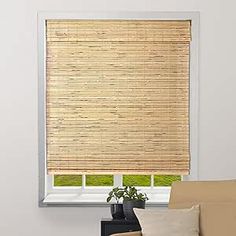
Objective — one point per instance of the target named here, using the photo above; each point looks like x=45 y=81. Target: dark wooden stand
x=110 y=226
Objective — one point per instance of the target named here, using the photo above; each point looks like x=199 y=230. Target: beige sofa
x=217 y=200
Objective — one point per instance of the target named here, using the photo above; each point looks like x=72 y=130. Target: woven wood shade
x=118 y=97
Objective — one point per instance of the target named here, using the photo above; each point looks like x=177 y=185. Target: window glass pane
x=137 y=180
x=99 y=180
x=165 y=180
x=67 y=180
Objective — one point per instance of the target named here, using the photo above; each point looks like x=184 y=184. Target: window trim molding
x=45 y=182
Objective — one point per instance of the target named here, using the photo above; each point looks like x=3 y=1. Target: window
x=116 y=93
x=107 y=180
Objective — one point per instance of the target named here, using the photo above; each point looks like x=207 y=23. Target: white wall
x=19 y=214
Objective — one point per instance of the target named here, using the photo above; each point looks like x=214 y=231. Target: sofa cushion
x=177 y=222
x=216 y=219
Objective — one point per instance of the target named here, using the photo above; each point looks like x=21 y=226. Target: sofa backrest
x=217 y=200
x=203 y=191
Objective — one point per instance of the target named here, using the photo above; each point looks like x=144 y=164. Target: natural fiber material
x=117 y=97
x=117 y=31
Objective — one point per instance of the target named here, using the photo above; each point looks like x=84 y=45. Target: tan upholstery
x=217 y=201
x=203 y=191
x=138 y=233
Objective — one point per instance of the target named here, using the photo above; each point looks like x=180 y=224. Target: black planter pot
x=128 y=206
x=117 y=211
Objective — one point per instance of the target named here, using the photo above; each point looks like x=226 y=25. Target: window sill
x=88 y=199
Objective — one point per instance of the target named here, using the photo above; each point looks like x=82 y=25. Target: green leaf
x=108 y=199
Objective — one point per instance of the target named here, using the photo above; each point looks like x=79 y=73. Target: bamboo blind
x=117 y=97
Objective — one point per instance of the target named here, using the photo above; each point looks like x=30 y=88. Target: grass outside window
x=165 y=180
x=137 y=180
x=67 y=180
x=99 y=180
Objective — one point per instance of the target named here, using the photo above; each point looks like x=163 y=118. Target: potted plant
x=132 y=199
x=116 y=208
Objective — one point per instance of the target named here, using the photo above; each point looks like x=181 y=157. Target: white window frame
x=50 y=195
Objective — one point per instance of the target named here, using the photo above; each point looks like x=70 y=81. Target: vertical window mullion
x=152 y=181
x=83 y=181
x=117 y=180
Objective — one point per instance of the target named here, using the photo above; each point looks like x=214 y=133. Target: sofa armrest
x=135 y=233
